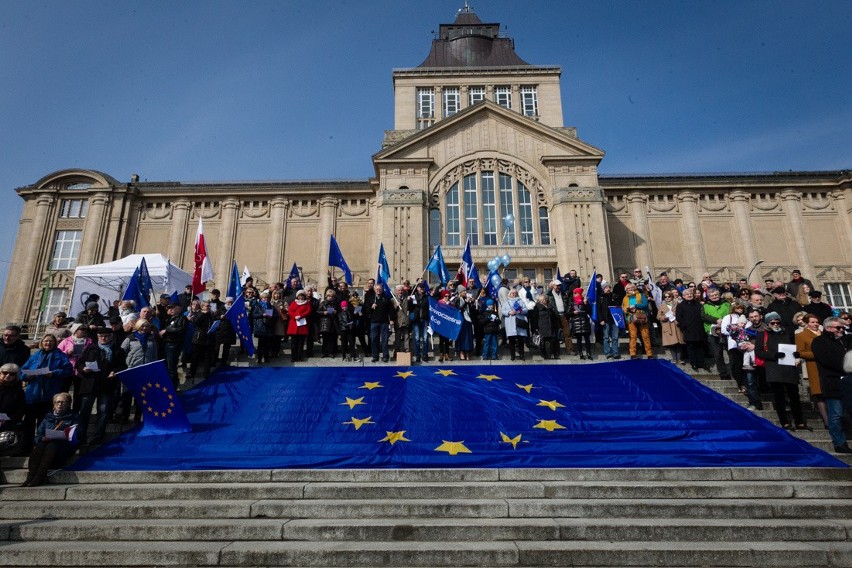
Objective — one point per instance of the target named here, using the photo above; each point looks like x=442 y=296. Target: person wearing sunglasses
x=829 y=350
x=781 y=375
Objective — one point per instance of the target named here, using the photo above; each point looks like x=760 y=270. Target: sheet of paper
x=35 y=372
x=55 y=434
x=301 y=321
x=92 y=366
x=268 y=313
x=788 y=351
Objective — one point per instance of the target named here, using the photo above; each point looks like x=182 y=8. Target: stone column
x=30 y=275
x=793 y=211
x=275 y=251
x=227 y=241
x=177 y=236
x=328 y=217
x=842 y=205
x=439 y=103
x=638 y=204
x=692 y=233
x=94 y=229
x=742 y=212
x=464 y=101
x=578 y=228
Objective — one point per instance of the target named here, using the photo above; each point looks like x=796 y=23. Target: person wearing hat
x=782 y=378
x=96 y=368
x=297 y=328
x=786 y=307
x=58 y=326
x=91 y=318
x=173 y=337
x=817 y=307
x=829 y=351
x=796 y=282
x=185 y=299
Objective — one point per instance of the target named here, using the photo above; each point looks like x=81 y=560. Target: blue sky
x=214 y=91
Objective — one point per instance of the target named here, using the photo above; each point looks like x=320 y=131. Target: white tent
x=110 y=279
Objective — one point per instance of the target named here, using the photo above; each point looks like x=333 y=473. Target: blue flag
x=558 y=274
x=155 y=394
x=490 y=287
x=467 y=268
x=234 y=286
x=294 y=273
x=139 y=287
x=335 y=258
x=444 y=319
x=617 y=315
x=236 y=314
x=437 y=267
x=592 y=295
x=383 y=271
x=173 y=299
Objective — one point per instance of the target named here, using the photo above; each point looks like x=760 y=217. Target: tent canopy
x=108 y=280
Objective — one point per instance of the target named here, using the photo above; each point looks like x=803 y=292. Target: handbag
x=536 y=339
x=758 y=362
x=640 y=317
x=11 y=442
x=522 y=324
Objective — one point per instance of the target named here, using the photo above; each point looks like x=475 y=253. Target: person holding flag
x=437 y=266
x=467 y=274
x=607 y=303
x=581 y=324
x=203 y=267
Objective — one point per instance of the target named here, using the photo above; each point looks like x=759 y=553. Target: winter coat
x=41 y=388
x=67 y=346
x=711 y=313
x=804 y=344
x=689 y=317
x=54 y=422
x=766 y=348
x=510 y=322
x=12 y=404
x=137 y=353
x=298 y=311
x=279 y=323
x=636 y=300
x=17 y=353
x=580 y=319
x=545 y=320
x=418 y=307
x=829 y=352
x=98 y=382
x=175 y=329
x=327 y=322
x=202 y=322
x=490 y=320
x=672 y=335
x=401 y=312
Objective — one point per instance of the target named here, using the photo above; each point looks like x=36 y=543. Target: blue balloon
x=492 y=266
x=496 y=280
x=506 y=260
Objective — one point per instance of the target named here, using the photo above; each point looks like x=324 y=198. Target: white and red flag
x=203 y=267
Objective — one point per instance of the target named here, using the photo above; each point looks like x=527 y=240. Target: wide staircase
x=465 y=517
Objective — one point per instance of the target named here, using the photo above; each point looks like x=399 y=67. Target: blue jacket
x=68 y=418
x=42 y=388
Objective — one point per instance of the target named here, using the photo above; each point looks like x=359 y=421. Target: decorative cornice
x=414 y=197
x=576 y=195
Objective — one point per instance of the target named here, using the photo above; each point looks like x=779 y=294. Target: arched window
x=493 y=209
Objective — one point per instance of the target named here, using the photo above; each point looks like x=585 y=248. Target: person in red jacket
x=297 y=327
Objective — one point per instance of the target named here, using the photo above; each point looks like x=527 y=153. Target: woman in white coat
x=517 y=326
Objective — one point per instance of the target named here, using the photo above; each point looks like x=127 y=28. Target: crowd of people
x=763 y=337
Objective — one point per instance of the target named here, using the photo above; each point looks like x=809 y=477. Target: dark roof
x=468 y=42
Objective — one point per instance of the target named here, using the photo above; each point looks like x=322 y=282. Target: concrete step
x=460 y=553
x=448 y=490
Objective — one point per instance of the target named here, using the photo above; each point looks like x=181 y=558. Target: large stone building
x=478 y=150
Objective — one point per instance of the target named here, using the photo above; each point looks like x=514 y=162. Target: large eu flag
x=156 y=396
x=239 y=319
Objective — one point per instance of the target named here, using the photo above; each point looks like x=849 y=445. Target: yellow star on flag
x=394 y=437
x=358 y=422
x=514 y=441
x=551 y=404
x=453 y=448
x=404 y=374
x=445 y=372
x=527 y=388
x=371 y=386
x=549 y=425
x=489 y=378
x=353 y=402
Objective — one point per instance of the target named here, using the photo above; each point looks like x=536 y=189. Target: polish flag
x=203 y=267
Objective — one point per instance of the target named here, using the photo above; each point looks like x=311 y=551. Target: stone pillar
x=688 y=203
x=328 y=216
x=275 y=250
x=638 y=204
x=177 y=236
x=842 y=205
x=578 y=228
x=742 y=213
x=30 y=274
x=439 y=103
x=793 y=211
x=94 y=229
x=464 y=101
x=230 y=206
x=403 y=232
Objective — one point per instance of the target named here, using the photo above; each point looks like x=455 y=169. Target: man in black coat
x=786 y=307
x=13 y=349
x=689 y=316
x=817 y=307
x=380 y=318
x=829 y=349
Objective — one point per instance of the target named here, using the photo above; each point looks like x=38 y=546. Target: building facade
x=478 y=150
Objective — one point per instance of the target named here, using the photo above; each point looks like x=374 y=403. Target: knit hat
x=75 y=327
x=92 y=306
x=344 y=304
x=604 y=284
x=772 y=316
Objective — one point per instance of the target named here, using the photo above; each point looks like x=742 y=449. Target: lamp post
x=756 y=264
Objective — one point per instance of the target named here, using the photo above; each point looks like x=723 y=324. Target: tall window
x=57 y=300
x=73 y=208
x=507 y=211
x=503 y=96
x=529 y=101
x=489 y=210
x=471 y=216
x=452 y=101
x=493 y=210
x=453 y=228
x=544 y=225
x=66 y=249
x=425 y=107
x=525 y=215
x=839 y=295
x=475 y=95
